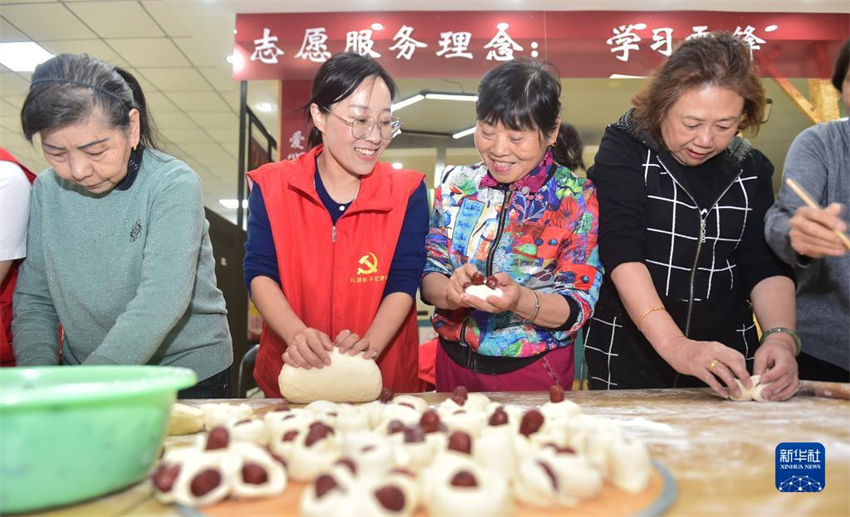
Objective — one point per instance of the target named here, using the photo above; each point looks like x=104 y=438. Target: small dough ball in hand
x=482 y=291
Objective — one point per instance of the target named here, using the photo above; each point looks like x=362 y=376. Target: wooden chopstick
x=812 y=204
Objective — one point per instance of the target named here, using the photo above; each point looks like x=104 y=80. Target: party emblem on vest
x=367 y=270
x=370 y=264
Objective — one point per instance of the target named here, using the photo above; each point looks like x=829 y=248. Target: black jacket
x=700 y=232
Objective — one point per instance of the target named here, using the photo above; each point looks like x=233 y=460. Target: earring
x=135 y=146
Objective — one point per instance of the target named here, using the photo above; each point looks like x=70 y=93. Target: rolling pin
x=832 y=390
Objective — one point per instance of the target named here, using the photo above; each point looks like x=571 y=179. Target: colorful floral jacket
x=541 y=230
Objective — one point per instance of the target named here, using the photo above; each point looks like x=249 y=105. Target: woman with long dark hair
x=118 y=250
x=522 y=219
x=336 y=238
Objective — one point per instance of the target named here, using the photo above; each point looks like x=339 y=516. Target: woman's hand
x=812 y=231
x=708 y=361
x=351 y=343
x=308 y=349
x=511 y=292
x=461 y=277
x=776 y=364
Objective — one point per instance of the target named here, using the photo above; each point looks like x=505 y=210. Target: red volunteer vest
x=7 y=288
x=334 y=277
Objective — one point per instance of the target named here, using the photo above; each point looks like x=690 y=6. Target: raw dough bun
x=249 y=430
x=185 y=420
x=216 y=414
x=359 y=495
x=347 y=379
x=482 y=291
x=418 y=403
x=491 y=495
x=197 y=465
x=753 y=393
x=553 y=479
x=249 y=454
x=630 y=465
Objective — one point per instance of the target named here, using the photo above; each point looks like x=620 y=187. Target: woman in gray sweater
x=819 y=161
x=119 y=253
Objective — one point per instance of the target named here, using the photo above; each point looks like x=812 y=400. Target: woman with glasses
x=336 y=239
x=522 y=218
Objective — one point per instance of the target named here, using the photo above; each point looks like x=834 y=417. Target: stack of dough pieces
x=464 y=456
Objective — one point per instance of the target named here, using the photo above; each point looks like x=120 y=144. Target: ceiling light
x=377 y=26
x=464 y=133
x=451 y=97
x=232 y=204
x=22 y=56
x=265 y=107
x=407 y=102
x=397 y=165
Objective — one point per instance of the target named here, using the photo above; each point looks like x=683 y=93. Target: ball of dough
x=216 y=414
x=482 y=291
x=185 y=420
x=347 y=379
x=630 y=465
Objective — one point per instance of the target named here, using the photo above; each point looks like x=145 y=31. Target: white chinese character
x=292 y=156
x=265 y=49
x=502 y=45
x=663 y=39
x=813 y=456
x=455 y=44
x=405 y=44
x=361 y=43
x=625 y=40
x=753 y=41
x=314 y=46
x=784 y=455
x=699 y=32
x=799 y=455
x=296 y=139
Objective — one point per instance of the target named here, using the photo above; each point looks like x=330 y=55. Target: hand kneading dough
x=753 y=393
x=347 y=379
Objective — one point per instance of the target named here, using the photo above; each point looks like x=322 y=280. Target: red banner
x=294 y=138
x=291 y=46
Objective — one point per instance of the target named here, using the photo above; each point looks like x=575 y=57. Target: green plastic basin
x=77 y=432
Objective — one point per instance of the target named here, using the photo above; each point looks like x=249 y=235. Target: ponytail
x=67 y=88
x=148 y=133
x=315 y=138
x=569 y=147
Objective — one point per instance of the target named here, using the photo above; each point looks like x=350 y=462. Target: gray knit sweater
x=818 y=160
x=130 y=275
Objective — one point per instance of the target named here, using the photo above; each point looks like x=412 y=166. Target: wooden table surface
x=721 y=453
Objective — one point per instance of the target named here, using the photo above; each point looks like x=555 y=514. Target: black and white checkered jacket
x=692 y=257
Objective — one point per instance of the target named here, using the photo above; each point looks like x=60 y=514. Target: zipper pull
x=333 y=234
x=702 y=230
